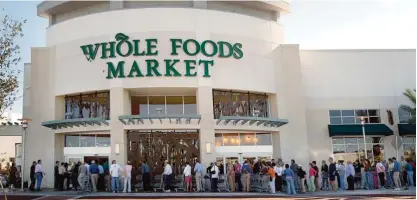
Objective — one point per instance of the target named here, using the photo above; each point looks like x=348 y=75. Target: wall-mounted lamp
x=208 y=147
x=117 y=149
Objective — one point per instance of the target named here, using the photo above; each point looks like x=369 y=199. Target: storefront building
x=210 y=80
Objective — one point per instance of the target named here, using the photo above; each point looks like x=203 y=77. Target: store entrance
x=224 y=161
x=156 y=146
x=97 y=159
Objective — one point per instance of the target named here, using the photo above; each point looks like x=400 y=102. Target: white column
x=119 y=105
x=205 y=109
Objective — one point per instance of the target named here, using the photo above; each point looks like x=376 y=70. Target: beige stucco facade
x=301 y=85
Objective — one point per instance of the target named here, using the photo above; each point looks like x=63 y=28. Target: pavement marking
x=42 y=197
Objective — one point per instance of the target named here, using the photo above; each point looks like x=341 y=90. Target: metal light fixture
x=208 y=147
x=25 y=122
x=117 y=149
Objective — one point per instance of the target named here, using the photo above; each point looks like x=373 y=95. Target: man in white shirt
x=128 y=177
x=168 y=176
x=115 y=170
x=188 y=177
x=214 y=177
x=39 y=175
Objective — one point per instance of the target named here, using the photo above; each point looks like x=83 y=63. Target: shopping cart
x=86 y=187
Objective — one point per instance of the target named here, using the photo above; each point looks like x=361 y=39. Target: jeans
x=115 y=184
x=295 y=180
x=278 y=183
x=363 y=180
x=410 y=178
x=381 y=176
x=272 y=185
x=146 y=179
x=325 y=184
x=214 y=184
x=311 y=185
x=342 y=182
x=127 y=184
x=239 y=181
x=369 y=180
x=389 y=179
x=168 y=179
x=39 y=177
x=290 y=186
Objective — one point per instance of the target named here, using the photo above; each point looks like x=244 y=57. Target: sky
x=313 y=24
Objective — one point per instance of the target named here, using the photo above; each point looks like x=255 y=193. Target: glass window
x=174 y=104
x=90 y=105
x=231 y=139
x=374 y=120
x=338 y=148
x=72 y=140
x=409 y=140
x=347 y=113
x=258 y=105
x=409 y=147
x=352 y=148
x=103 y=140
x=219 y=139
x=351 y=141
x=361 y=113
x=335 y=120
x=190 y=105
x=247 y=139
x=240 y=104
x=263 y=139
x=156 y=105
x=143 y=105
x=334 y=113
x=336 y=140
x=348 y=120
x=222 y=103
x=373 y=113
x=87 y=141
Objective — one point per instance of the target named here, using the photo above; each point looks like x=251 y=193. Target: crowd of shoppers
x=281 y=177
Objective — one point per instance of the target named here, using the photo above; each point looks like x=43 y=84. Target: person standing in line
x=128 y=178
x=278 y=177
x=302 y=176
x=324 y=176
x=350 y=174
x=403 y=173
x=397 y=169
x=409 y=171
x=214 y=177
x=32 y=176
x=316 y=178
x=82 y=172
x=289 y=178
x=198 y=170
x=168 y=176
x=39 y=175
x=100 y=186
x=61 y=177
x=369 y=176
x=271 y=173
x=342 y=172
x=238 y=175
x=380 y=169
x=146 y=177
x=391 y=172
x=74 y=175
x=332 y=174
x=294 y=168
x=12 y=176
x=387 y=178
x=115 y=170
x=231 y=177
x=94 y=171
x=312 y=174
x=246 y=171
x=188 y=177
x=106 y=168
x=56 y=175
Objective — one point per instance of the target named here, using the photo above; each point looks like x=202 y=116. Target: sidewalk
x=370 y=193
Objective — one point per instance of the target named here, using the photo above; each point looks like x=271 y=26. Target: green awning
x=59 y=124
x=356 y=129
x=407 y=129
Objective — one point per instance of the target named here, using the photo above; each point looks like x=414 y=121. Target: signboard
x=149 y=67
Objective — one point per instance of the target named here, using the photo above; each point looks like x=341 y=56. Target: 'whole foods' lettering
x=124 y=47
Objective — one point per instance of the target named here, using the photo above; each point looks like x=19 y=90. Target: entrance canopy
x=407 y=129
x=258 y=121
x=58 y=124
x=178 y=119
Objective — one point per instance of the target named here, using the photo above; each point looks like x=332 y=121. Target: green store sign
x=149 y=47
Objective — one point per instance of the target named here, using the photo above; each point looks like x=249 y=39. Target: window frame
x=356 y=117
x=399 y=116
x=79 y=139
x=240 y=135
x=358 y=144
x=165 y=104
